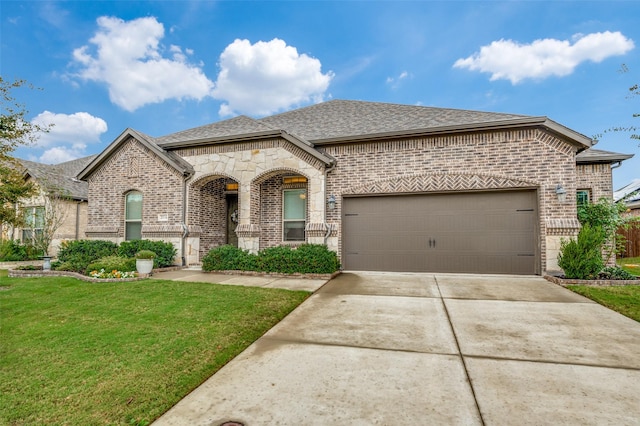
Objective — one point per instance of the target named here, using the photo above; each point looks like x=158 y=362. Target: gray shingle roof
x=600 y=156
x=344 y=118
x=235 y=126
x=341 y=119
x=61 y=176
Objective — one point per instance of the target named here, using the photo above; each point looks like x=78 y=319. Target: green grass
x=78 y=353
x=630 y=264
x=622 y=299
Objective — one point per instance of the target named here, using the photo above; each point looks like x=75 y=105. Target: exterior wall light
x=331 y=202
x=561 y=193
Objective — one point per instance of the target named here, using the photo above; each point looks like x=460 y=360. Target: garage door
x=480 y=232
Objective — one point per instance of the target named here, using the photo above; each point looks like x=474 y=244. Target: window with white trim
x=294 y=216
x=33 y=223
x=133 y=216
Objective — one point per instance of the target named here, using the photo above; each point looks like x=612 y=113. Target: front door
x=232 y=220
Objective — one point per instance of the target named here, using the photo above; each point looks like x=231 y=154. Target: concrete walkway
x=422 y=349
x=196 y=275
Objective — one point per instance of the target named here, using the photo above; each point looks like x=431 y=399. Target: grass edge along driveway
x=80 y=353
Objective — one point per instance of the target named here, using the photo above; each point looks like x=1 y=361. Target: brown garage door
x=479 y=232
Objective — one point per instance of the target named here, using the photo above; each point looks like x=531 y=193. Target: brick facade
x=523 y=158
x=133 y=167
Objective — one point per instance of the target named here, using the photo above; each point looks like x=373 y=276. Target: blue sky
x=165 y=66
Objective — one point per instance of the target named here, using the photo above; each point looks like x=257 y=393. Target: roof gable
x=170 y=158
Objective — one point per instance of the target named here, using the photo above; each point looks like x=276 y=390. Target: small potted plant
x=144 y=262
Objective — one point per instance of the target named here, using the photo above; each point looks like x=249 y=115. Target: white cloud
x=69 y=129
x=129 y=59
x=394 y=82
x=267 y=77
x=60 y=154
x=68 y=136
x=509 y=60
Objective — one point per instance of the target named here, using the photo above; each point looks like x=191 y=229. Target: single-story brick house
x=388 y=187
x=71 y=207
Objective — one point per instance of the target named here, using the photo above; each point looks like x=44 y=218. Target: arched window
x=133 y=216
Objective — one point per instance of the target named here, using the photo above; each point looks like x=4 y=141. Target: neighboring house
x=71 y=204
x=630 y=195
x=388 y=187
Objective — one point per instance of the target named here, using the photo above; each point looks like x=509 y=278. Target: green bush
x=615 y=273
x=306 y=259
x=111 y=263
x=581 y=258
x=229 y=258
x=165 y=252
x=11 y=251
x=77 y=255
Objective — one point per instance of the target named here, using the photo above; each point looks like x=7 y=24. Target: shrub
x=581 y=258
x=165 y=252
x=77 y=255
x=11 y=250
x=615 y=273
x=229 y=258
x=111 y=263
x=306 y=259
x=280 y=259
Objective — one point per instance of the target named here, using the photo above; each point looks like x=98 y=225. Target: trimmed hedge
x=229 y=258
x=111 y=263
x=165 y=252
x=305 y=259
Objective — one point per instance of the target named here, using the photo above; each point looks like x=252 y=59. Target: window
x=294 y=214
x=34 y=223
x=583 y=196
x=133 y=216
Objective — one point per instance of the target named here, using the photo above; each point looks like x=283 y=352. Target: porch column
x=248 y=229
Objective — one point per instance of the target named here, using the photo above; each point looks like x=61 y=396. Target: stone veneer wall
x=132 y=167
x=251 y=164
x=529 y=158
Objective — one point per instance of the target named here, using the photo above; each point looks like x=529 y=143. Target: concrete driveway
x=421 y=349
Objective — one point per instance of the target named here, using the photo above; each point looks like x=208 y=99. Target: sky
x=99 y=67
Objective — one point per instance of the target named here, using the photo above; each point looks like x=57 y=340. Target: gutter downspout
x=616 y=165
x=326 y=225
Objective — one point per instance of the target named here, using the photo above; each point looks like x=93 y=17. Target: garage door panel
x=491 y=232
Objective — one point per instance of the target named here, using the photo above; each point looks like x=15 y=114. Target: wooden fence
x=632 y=246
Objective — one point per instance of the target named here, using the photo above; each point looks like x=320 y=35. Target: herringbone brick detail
x=438 y=182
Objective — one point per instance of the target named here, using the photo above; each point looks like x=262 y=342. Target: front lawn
x=622 y=299
x=630 y=264
x=79 y=353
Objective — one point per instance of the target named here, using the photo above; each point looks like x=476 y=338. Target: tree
x=633 y=91
x=14 y=131
x=53 y=216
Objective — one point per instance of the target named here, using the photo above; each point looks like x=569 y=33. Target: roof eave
x=581 y=141
x=603 y=158
x=304 y=145
x=221 y=139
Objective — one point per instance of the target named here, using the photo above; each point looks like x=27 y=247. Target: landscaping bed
x=593 y=283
